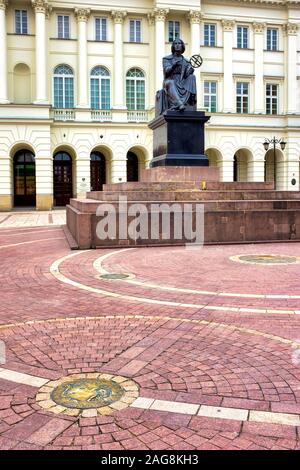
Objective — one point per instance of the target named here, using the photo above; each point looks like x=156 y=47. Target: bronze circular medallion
x=266 y=259
x=87 y=393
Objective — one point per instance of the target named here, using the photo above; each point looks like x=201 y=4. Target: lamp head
x=282 y=144
x=266 y=145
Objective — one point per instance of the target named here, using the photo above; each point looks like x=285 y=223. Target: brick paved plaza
x=203 y=344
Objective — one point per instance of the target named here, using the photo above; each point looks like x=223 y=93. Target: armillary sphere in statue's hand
x=196 y=61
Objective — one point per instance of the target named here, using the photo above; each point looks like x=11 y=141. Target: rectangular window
x=210 y=96
x=100 y=29
x=209 y=35
x=242 y=97
x=174 y=30
x=242 y=37
x=21 y=22
x=272 y=39
x=135 y=31
x=271 y=99
x=63 y=27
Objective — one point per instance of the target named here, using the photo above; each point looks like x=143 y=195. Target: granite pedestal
x=178 y=139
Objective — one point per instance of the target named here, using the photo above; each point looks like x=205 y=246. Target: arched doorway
x=132 y=167
x=63 y=178
x=98 y=171
x=235 y=169
x=24 y=179
x=214 y=157
x=241 y=165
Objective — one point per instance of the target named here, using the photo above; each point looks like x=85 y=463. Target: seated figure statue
x=179 y=86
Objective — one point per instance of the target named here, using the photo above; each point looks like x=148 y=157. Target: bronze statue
x=179 y=86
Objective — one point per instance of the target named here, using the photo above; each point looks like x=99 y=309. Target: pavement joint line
x=21 y=378
x=54 y=270
x=221 y=412
x=31 y=241
x=98 y=266
x=239 y=414
x=30 y=233
x=165 y=319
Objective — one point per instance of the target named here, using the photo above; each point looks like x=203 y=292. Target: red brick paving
x=168 y=359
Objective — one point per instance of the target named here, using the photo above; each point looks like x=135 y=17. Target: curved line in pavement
x=54 y=270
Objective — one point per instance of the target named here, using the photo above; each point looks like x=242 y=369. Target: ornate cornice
x=118 y=16
x=82 y=14
x=3 y=4
x=258 y=28
x=291 y=29
x=194 y=16
x=160 y=14
x=151 y=19
x=228 y=25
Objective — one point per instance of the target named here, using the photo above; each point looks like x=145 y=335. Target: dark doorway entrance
x=24 y=179
x=98 y=171
x=132 y=167
x=63 y=186
x=235 y=169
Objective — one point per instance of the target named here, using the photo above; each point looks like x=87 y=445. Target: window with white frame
x=101 y=29
x=21 y=22
x=135 y=89
x=242 y=97
x=174 y=30
x=210 y=34
x=63 y=87
x=272 y=39
x=271 y=98
x=242 y=37
x=210 y=96
x=100 y=88
x=135 y=31
x=63 y=27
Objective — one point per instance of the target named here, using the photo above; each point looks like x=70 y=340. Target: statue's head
x=178 y=46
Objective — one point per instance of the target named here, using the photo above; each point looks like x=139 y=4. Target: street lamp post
x=274 y=142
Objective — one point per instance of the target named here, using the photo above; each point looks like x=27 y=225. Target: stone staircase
x=233 y=212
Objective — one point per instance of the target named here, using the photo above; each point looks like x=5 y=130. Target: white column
x=119 y=79
x=3 y=54
x=195 y=20
x=226 y=167
x=41 y=8
x=227 y=65
x=291 y=67
x=160 y=18
x=82 y=16
x=259 y=104
x=152 y=83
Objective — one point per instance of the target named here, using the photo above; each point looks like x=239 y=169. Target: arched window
x=135 y=89
x=63 y=87
x=100 y=88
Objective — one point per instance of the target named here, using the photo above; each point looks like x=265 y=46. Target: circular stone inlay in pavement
x=266 y=259
x=87 y=394
x=114 y=276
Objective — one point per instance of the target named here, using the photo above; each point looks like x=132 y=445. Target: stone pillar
x=119 y=168
x=3 y=54
x=195 y=20
x=227 y=66
x=119 y=79
x=6 y=186
x=160 y=19
x=152 y=78
x=226 y=168
x=82 y=16
x=83 y=175
x=41 y=8
x=44 y=181
x=290 y=30
x=259 y=102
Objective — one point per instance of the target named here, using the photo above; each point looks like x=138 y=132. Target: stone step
x=90 y=205
x=188 y=185
x=111 y=196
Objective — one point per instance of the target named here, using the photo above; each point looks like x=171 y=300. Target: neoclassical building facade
x=78 y=83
